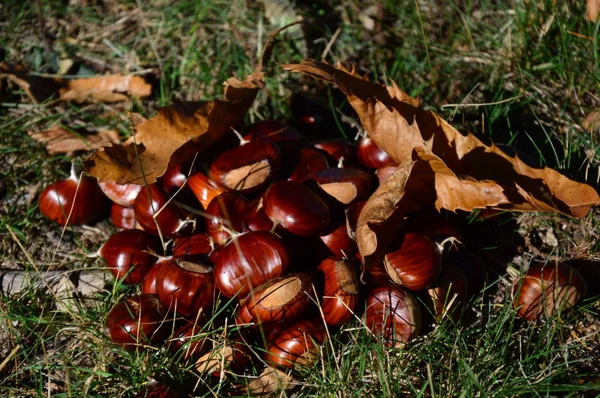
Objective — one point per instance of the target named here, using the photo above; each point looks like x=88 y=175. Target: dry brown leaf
x=178 y=132
x=111 y=88
x=439 y=165
x=60 y=140
x=592 y=122
x=270 y=381
x=592 y=9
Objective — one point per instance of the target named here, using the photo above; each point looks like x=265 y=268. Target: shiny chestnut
x=248 y=261
x=294 y=207
x=194 y=247
x=296 y=345
x=338 y=149
x=346 y=185
x=225 y=214
x=73 y=201
x=393 y=314
x=171 y=219
x=339 y=290
x=372 y=156
x=121 y=194
x=413 y=261
x=203 y=188
x=185 y=287
x=339 y=243
x=129 y=254
x=548 y=289
x=310 y=161
x=449 y=294
x=285 y=298
x=122 y=217
x=255 y=218
x=189 y=341
x=248 y=168
x=137 y=321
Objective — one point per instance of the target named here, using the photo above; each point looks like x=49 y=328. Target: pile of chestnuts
x=265 y=225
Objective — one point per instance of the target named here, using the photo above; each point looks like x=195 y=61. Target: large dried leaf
x=110 y=88
x=439 y=165
x=60 y=140
x=178 y=132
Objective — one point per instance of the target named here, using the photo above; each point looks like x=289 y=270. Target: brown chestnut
x=255 y=218
x=248 y=168
x=310 y=160
x=137 y=321
x=203 y=188
x=73 y=201
x=129 y=254
x=338 y=149
x=352 y=213
x=172 y=220
x=225 y=215
x=413 y=261
x=285 y=298
x=149 y=282
x=340 y=290
x=271 y=130
x=346 y=185
x=248 y=261
x=121 y=194
x=195 y=247
x=296 y=345
x=296 y=208
x=372 y=156
x=339 y=243
x=548 y=289
x=393 y=314
x=185 y=287
x=189 y=341
x=449 y=294
x=122 y=217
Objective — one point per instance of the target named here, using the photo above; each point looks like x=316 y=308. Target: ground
x=519 y=73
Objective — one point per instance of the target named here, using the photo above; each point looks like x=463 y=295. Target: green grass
x=519 y=73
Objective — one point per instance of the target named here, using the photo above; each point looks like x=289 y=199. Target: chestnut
x=122 y=217
x=226 y=214
x=296 y=345
x=248 y=168
x=296 y=208
x=121 y=194
x=203 y=188
x=158 y=390
x=171 y=219
x=372 y=156
x=185 y=287
x=383 y=173
x=340 y=290
x=73 y=201
x=285 y=298
x=449 y=294
x=338 y=149
x=175 y=177
x=548 y=289
x=149 y=282
x=255 y=218
x=393 y=314
x=136 y=321
x=271 y=130
x=188 y=341
x=195 y=247
x=352 y=213
x=248 y=261
x=128 y=254
x=346 y=185
x=339 y=243
x=310 y=160
x=413 y=261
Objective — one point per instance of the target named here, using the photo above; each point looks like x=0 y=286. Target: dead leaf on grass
x=592 y=122
x=439 y=165
x=269 y=382
x=110 y=88
x=592 y=9
x=60 y=140
x=178 y=132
